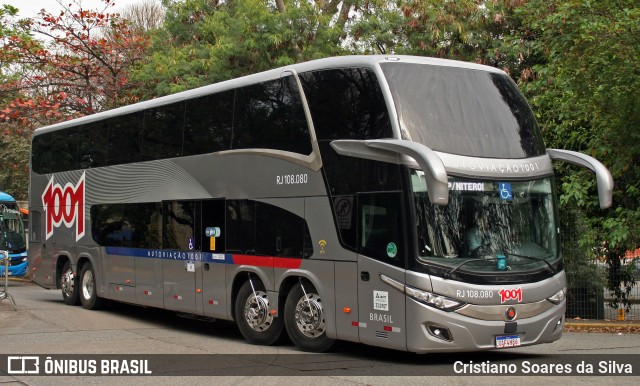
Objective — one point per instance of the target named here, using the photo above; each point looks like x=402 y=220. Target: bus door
x=41 y=265
x=212 y=298
x=181 y=252
x=381 y=258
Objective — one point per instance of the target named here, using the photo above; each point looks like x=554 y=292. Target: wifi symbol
x=322 y=244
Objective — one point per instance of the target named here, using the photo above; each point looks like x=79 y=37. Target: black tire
x=69 y=285
x=304 y=319
x=253 y=316
x=88 y=290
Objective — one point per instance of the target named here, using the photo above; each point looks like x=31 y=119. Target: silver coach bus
x=400 y=202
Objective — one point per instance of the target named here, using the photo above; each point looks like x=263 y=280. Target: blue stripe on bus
x=206 y=257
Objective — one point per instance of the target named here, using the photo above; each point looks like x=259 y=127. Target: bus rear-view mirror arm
x=388 y=149
x=603 y=176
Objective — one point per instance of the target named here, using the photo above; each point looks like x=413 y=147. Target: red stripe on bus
x=266 y=261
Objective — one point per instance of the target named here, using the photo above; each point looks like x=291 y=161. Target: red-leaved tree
x=75 y=62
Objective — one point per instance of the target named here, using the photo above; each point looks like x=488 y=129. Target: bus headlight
x=433 y=300
x=559 y=296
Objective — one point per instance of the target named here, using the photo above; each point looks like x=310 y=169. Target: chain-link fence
x=602 y=283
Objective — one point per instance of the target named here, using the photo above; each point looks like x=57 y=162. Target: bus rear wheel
x=88 y=289
x=305 y=320
x=69 y=285
x=253 y=315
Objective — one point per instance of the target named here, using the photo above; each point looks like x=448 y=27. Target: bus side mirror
x=603 y=177
x=387 y=150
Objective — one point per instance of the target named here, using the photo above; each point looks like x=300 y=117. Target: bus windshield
x=485 y=222
x=11 y=230
x=462 y=111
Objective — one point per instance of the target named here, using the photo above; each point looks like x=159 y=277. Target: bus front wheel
x=69 y=285
x=305 y=320
x=88 y=288
x=253 y=315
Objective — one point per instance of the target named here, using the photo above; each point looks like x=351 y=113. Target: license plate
x=507 y=341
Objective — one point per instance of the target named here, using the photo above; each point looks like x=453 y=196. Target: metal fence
x=598 y=279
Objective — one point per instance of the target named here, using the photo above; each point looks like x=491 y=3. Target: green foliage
x=584 y=275
x=204 y=42
x=80 y=67
x=586 y=93
x=14 y=172
x=14 y=143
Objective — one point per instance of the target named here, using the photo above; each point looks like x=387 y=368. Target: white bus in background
x=396 y=201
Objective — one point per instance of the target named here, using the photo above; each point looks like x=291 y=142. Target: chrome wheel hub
x=310 y=316
x=87 y=284
x=256 y=311
x=66 y=282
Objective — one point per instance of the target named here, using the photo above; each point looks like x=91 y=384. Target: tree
x=586 y=94
x=89 y=57
x=14 y=130
x=79 y=67
x=208 y=41
x=144 y=16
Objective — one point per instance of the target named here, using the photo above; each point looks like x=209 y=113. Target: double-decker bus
x=12 y=237
x=396 y=201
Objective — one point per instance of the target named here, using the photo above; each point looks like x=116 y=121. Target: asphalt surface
x=179 y=350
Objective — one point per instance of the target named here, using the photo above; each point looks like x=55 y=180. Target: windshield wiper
x=495 y=259
x=468 y=261
x=534 y=259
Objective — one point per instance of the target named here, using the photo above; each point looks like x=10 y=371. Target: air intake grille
x=382 y=334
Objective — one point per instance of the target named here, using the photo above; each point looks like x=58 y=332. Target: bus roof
x=6 y=197
x=369 y=61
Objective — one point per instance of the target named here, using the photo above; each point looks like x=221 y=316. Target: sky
x=30 y=8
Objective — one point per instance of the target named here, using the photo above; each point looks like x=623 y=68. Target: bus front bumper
x=441 y=331
x=17 y=266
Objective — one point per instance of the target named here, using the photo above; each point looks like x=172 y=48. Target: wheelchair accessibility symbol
x=505 y=191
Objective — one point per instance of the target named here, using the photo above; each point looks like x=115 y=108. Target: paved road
x=43 y=325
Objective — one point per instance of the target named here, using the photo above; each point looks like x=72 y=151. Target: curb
x=618 y=327
x=20 y=279
x=603 y=324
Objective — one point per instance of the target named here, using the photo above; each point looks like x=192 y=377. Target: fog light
x=439 y=332
x=559 y=324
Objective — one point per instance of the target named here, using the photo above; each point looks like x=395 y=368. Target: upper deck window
x=463 y=111
x=346 y=103
x=267 y=115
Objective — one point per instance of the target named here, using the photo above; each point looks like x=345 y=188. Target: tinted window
x=269 y=115
x=380 y=223
x=346 y=104
x=41 y=153
x=179 y=225
x=208 y=123
x=241 y=236
x=124 y=139
x=136 y=225
x=74 y=148
x=350 y=175
x=346 y=176
x=106 y=224
x=142 y=226
x=162 y=134
x=92 y=145
x=463 y=111
x=63 y=150
x=172 y=225
x=279 y=232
